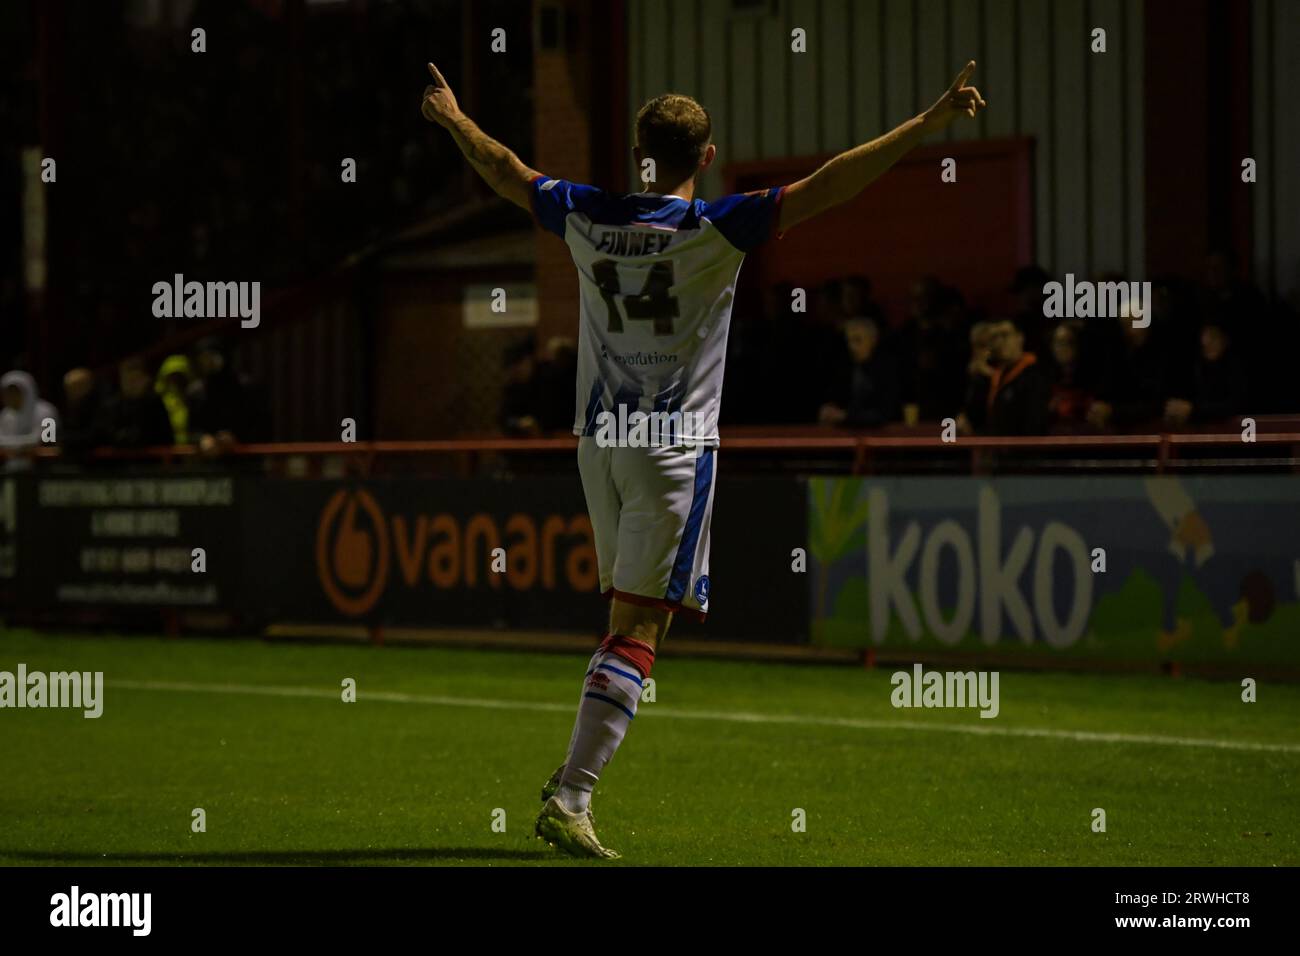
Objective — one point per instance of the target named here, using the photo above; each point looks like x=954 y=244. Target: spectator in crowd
x=172 y=385
x=930 y=349
x=1027 y=289
x=1098 y=342
x=136 y=416
x=1219 y=385
x=870 y=395
x=555 y=375
x=980 y=368
x=1071 y=397
x=942 y=355
x=1284 y=320
x=25 y=415
x=1135 y=381
x=749 y=345
x=1225 y=295
x=224 y=406
x=782 y=361
x=84 y=426
x=830 y=304
x=520 y=398
x=856 y=301
x=1175 y=313
x=1241 y=310
x=979 y=371
x=826 y=351
x=922 y=302
x=1014 y=401
x=779 y=346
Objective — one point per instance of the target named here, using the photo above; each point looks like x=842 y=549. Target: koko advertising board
x=419 y=553
x=1196 y=570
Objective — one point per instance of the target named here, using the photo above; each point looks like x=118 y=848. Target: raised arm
x=500 y=168
x=843 y=177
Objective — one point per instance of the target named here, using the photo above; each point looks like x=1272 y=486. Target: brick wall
x=567 y=95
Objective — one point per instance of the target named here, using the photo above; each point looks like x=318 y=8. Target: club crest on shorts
x=702 y=590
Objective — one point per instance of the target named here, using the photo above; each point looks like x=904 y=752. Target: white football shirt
x=657 y=278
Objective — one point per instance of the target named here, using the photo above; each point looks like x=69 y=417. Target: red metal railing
x=862 y=448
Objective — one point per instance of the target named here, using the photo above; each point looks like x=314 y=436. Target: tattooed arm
x=500 y=168
x=850 y=172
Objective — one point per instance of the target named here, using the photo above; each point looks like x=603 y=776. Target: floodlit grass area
x=712 y=772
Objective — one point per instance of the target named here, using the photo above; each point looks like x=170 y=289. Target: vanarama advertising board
x=1198 y=570
x=424 y=553
x=414 y=552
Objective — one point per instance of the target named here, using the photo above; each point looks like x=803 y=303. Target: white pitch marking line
x=738 y=717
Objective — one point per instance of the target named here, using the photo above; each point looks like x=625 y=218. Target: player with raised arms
x=657 y=273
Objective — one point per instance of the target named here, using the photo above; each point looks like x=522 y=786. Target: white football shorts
x=650 y=512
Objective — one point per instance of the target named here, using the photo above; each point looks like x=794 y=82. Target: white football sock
x=609 y=699
x=591 y=667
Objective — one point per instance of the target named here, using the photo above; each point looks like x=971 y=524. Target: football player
x=657 y=272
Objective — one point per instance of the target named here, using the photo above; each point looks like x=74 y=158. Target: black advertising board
x=143 y=541
x=15 y=547
x=407 y=552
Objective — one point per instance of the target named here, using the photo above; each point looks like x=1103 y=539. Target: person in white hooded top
x=24 y=413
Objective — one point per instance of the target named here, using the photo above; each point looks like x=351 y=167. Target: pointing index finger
x=967 y=72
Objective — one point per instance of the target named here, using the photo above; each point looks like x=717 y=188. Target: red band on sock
x=637 y=653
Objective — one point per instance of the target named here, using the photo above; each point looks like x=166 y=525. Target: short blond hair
x=673 y=130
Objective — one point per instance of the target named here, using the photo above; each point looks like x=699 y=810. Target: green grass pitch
x=711 y=773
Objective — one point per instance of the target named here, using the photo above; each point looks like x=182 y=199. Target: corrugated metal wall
x=873 y=63
x=1276 y=144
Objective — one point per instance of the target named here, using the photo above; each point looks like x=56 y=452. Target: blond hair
x=673 y=130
